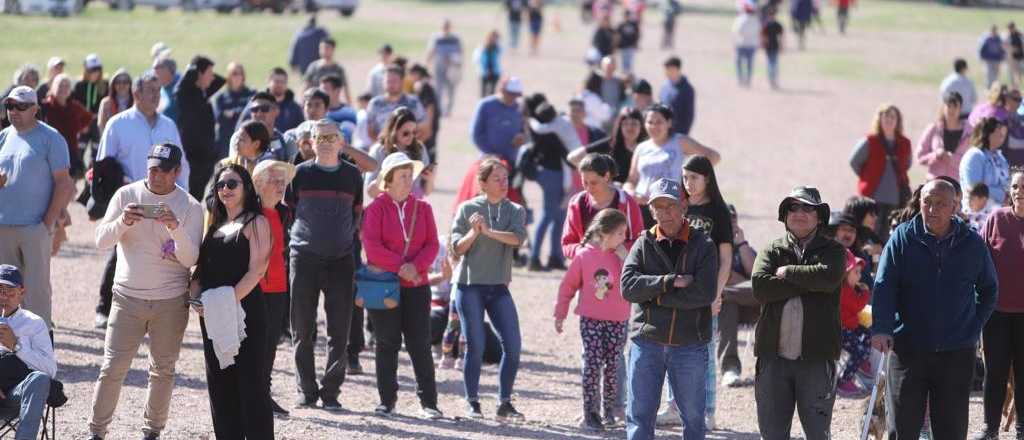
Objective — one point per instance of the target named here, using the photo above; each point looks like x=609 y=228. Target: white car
x=57 y=8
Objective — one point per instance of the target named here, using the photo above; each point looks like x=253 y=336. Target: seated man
x=738 y=304
x=26 y=356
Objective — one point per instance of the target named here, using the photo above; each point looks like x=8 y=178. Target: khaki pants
x=29 y=247
x=131 y=319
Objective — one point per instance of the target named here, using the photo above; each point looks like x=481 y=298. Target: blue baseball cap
x=664 y=188
x=10 y=276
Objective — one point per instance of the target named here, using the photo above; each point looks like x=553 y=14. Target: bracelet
x=744 y=243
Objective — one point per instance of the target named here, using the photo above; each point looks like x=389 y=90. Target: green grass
x=904 y=16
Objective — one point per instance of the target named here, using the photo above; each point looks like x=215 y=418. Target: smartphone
x=152 y=211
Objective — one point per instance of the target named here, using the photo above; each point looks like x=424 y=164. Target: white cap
x=54 y=61
x=22 y=94
x=92 y=61
x=514 y=85
x=159 y=50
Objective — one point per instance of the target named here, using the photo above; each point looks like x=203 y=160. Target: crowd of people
x=255 y=203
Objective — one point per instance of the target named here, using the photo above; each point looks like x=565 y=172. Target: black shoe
x=277 y=409
x=354 y=368
x=306 y=402
x=535 y=266
x=95 y=437
x=556 y=265
x=330 y=403
x=592 y=422
x=508 y=413
x=473 y=411
x=151 y=436
x=519 y=261
x=383 y=410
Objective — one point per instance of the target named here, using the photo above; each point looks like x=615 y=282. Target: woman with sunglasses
x=118 y=99
x=627 y=133
x=399 y=136
x=235 y=254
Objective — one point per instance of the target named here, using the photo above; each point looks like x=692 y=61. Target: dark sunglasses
x=800 y=207
x=19 y=106
x=231 y=184
x=260 y=109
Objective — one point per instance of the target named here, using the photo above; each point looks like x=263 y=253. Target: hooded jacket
x=196 y=122
x=662 y=313
x=575 y=228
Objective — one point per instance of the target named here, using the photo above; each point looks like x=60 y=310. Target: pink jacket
x=930 y=145
x=574 y=229
x=383 y=239
x=594 y=273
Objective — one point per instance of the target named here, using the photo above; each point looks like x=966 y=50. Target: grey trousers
x=737 y=301
x=782 y=385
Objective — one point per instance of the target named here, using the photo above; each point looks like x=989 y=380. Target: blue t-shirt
x=29 y=161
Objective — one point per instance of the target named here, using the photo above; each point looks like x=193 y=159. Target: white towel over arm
x=225 y=323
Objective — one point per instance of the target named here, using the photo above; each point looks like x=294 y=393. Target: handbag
x=377 y=289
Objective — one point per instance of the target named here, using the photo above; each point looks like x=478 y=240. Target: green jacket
x=817 y=279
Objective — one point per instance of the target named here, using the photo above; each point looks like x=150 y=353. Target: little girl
x=856 y=337
x=594 y=273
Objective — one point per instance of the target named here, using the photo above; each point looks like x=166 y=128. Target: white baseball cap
x=54 y=62
x=514 y=85
x=22 y=94
x=92 y=61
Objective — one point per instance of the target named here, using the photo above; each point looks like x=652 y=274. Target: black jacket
x=662 y=313
x=195 y=118
x=107 y=177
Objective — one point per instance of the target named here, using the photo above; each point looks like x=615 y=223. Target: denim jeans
x=710 y=377
x=552 y=215
x=745 y=64
x=627 y=54
x=649 y=363
x=471 y=301
x=513 y=33
x=773 y=67
x=29 y=397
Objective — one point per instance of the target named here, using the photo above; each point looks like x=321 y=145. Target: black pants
x=277 y=310
x=107 y=285
x=199 y=176
x=356 y=337
x=1003 y=346
x=882 y=224
x=487 y=84
x=941 y=381
x=239 y=394
x=410 y=319
x=782 y=385
x=737 y=300
x=335 y=277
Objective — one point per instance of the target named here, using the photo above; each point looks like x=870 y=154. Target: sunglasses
x=326 y=138
x=260 y=109
x=231 y=184
x=800 y=207
x=19 y=106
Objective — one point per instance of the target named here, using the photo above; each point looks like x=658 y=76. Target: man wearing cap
x=157 y=228
x=27 y=362
x=381 y=106
x=327 y=194
x=935 y=290
x=376 y=77
x=497 y=124
x=797 y=279
x=670 y=276
x=35 y=186
x=54 y=67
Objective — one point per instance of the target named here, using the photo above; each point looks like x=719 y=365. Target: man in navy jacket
x=935 y=289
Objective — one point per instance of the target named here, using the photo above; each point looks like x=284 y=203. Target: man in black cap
x=797 y=279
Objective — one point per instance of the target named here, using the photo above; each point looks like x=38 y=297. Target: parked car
x=188 y=5
x=57 y=8
x=346 y=7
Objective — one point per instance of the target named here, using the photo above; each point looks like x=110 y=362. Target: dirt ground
x=770 y=141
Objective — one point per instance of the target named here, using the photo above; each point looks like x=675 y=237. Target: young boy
x=979 y=207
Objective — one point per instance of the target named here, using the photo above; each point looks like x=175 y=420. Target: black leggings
x=487 y=84
x=1003 y=347
x=411 y=320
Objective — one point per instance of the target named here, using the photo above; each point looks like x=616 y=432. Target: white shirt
x=963 y=85
x=128 y=138
x=36 y=349
x=747 y=30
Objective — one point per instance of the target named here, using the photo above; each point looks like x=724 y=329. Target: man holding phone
x=157 y=228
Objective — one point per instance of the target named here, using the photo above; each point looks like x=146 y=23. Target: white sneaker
x=730 y=379
x=709 y=423
x=669 y=417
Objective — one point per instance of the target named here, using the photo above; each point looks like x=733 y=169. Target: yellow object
x=864 y=316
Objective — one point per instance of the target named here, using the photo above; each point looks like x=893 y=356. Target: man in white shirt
x=958 y=81
x=25 y=335
x=157 y=228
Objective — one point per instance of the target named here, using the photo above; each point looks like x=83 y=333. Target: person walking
x=958 y=81
x=985 y=163
x=932 y=344
x=157 y=228
x=484 y=233
x=487 y=57
x=515 y=10
x=992 y=53
x=797 y=279
x=843 y=14
x=549 y=153
x=445 y=52
x=228 y=104
x=535 y=15
x=746 y=30
x=801 y=12
x=35 y=187
x=497 y=124
x=1015 y=42
x=944 y=142
x=772 y=42
x=326 y=66
x=881 y=161
x=305 y=45
x=628 y=41
x=678 y=94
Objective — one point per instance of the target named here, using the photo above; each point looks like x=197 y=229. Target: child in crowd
x=444 y=319
x=594 y=274
x=856 y=337
x=979 y=207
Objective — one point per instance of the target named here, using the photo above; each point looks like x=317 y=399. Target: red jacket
x=383 y=238
x=851 y=302
x=574 y=229
x=69 y=120
x=874 y=167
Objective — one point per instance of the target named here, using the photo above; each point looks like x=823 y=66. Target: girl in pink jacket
x=594 y=273
x=944 y=142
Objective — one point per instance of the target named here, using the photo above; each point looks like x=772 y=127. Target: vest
x=874 y=167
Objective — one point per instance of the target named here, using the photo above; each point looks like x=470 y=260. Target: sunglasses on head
x=231 y=184
x=800 y=207
x=19 y=106
x=265 y=108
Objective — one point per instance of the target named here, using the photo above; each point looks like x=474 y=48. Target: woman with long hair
x=253 y=146
x=984 y=163
x=195 y=120
x=627 y=133
x=881 y=161
x=399 y=136
x=119 y=98
x=68 y=117
x=598 y=171
x=945 y=141
x=232 y=260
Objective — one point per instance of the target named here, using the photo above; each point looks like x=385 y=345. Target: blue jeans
x=649 y=363
x=773 y=67
x=627 y=54
x=471 y=301
x=553 y=215
x=513 y=33
x=29 y=397
x=745 y=64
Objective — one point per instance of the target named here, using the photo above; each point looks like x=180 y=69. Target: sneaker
x=730 y=379
x=535 y=266
x=668 y=417
x=988 y=434
x=306 y=402
x=431 y=413
x=383 y=410
x=592 y=422
x=277 y=408
x=709 y=423
x=848 y=389
x=447 y=363
x=473 y=411
x=354 y=368
x=95 y=437
x=100 y=321
x=331 y=404
x=507 y=413
x=151 y=436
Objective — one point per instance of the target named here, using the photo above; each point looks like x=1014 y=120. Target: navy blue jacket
x=933 y=296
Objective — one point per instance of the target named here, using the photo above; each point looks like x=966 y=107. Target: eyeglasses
x=800 y=207
x=231 y=184
x=327 y=138
x=19 y=106
x=260 y=108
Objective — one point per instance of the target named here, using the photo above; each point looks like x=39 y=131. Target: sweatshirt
x=384 y=230
x=594 y=273
x=152 y=262
x=488 y=261
x=851 y=302
x=582 y=211
x=1003 y=233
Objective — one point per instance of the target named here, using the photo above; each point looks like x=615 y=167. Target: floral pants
x=857 y=343
x=603 y=342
